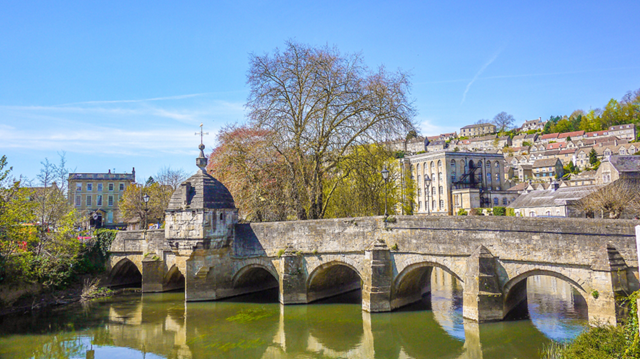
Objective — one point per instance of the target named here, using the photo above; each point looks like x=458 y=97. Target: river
x=257 y=326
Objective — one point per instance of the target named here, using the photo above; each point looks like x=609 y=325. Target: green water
x=256 y=326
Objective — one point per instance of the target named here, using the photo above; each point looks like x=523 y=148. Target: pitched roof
x=478 y=125
x=549 y=197
x=546 y=162
x=571 y=134
x=625 y=163
x=549 y=136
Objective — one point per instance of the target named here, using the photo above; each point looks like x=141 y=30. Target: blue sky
x=122 y=84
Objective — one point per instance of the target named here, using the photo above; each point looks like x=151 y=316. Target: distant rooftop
x=104 y=176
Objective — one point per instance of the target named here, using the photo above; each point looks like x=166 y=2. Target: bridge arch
x=515 y=289
x=414 y=281
x=254 y=272
x=125 y=272
x=332 y=278
x=173 y=279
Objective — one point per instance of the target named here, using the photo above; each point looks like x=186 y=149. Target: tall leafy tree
x=317 y=104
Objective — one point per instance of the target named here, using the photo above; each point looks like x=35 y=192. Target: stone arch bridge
x=391 y=261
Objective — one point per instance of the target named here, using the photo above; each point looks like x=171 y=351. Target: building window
x=99 y=200
x=497 y=177
x=441 y=204
x=532 y=214
x=495 y=202
x=121 y=186
x=441 y=190
x=548 y=213
x=110 y=187
x=440 y=178
x=433 y=205
x=78 y=201
x=505 y=201
x=433 y=191
x=99 y=187
x=110 y=217
x=88 y=200
x=78 y=187
x=488 y=177
x=89 y=187
x=110 y=201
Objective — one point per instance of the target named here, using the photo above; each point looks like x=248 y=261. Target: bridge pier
x=482 y=299
x=608 y=282
x=152 y=275
x=377 y=279
x=293 y=284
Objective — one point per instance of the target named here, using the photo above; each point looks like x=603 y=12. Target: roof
x=478 y=125
x=202 y=192
x=622 y=127
x=625 y=163
x=557 y=145
x=550 y=198
x=546 y=162
x=533 y=121
x=549 y=136
x=103 y=176
x=596 y=133
x=568 y=150
x=571 y=134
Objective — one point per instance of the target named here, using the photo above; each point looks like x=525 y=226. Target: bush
x=462 y=212
x=475 y=212
x=499 y=211
x=511 y=212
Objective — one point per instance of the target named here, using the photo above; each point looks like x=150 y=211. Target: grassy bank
x=600 y=342
x=29 y=281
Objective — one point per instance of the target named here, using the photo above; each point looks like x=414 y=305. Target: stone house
x=438 y=145
x=574 y=135
x=581 y=158
x=477 y=129
x=548 y=137
x=617 y=167
x=566 y=156
x=536 y=124
x=627 y=131
x=554 y=201
x=585 y=178
x=99 y=194
x=519 y=140
x=547 y=168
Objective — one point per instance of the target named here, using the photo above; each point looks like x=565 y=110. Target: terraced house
x=96 y=195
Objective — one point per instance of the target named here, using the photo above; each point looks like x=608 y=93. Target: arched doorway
x=330 y=280
x=125 y=273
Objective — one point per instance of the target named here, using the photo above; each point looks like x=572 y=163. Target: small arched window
x=505 y=201
x=496 y=202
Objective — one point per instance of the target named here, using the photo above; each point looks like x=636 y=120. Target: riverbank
x=33 y=297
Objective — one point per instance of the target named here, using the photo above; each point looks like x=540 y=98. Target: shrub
x=511 y=212
x=280 y=253
x=475 y=212
x=499 y=211
x=462 y=212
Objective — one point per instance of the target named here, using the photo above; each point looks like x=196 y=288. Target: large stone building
x=458 y=180
x=477 y=129
x=627 y=132
x=96 y=195
x=615 y=167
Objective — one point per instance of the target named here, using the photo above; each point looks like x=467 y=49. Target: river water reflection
x=162 y=326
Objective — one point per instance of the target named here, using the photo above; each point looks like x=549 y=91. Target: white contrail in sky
x=464 y=95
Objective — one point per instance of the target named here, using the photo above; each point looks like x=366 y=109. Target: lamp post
x=385 y=176
x=145 y=198
x=427 y=186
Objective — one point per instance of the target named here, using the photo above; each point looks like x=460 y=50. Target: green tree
x=133 y=207
x=317 y=104
x=593 y=157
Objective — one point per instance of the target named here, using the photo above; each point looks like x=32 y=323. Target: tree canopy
x=316 y=104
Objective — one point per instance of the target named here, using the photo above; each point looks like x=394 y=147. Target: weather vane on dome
x=201 y=161
x=201 y=133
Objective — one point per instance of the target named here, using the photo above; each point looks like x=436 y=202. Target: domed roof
x=201 y=191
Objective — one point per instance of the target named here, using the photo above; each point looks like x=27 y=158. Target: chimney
x=554 y=186
x=133 y=172
x=109 y=171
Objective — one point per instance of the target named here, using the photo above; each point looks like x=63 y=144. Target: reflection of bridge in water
x=163 y=324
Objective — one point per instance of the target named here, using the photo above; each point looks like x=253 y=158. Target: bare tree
x=615 y=199
x=503 y=121
x=167 y=176
x=318 y=103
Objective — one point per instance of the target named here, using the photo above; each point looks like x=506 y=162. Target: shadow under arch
x=173 y=279
x=331 y=279
x=515 y=302
x=125 y=273
x=254 y=278
x=414 y=281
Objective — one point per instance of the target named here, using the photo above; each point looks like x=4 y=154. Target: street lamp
x=427 y=187
x=145 y=198
x=385 y=176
